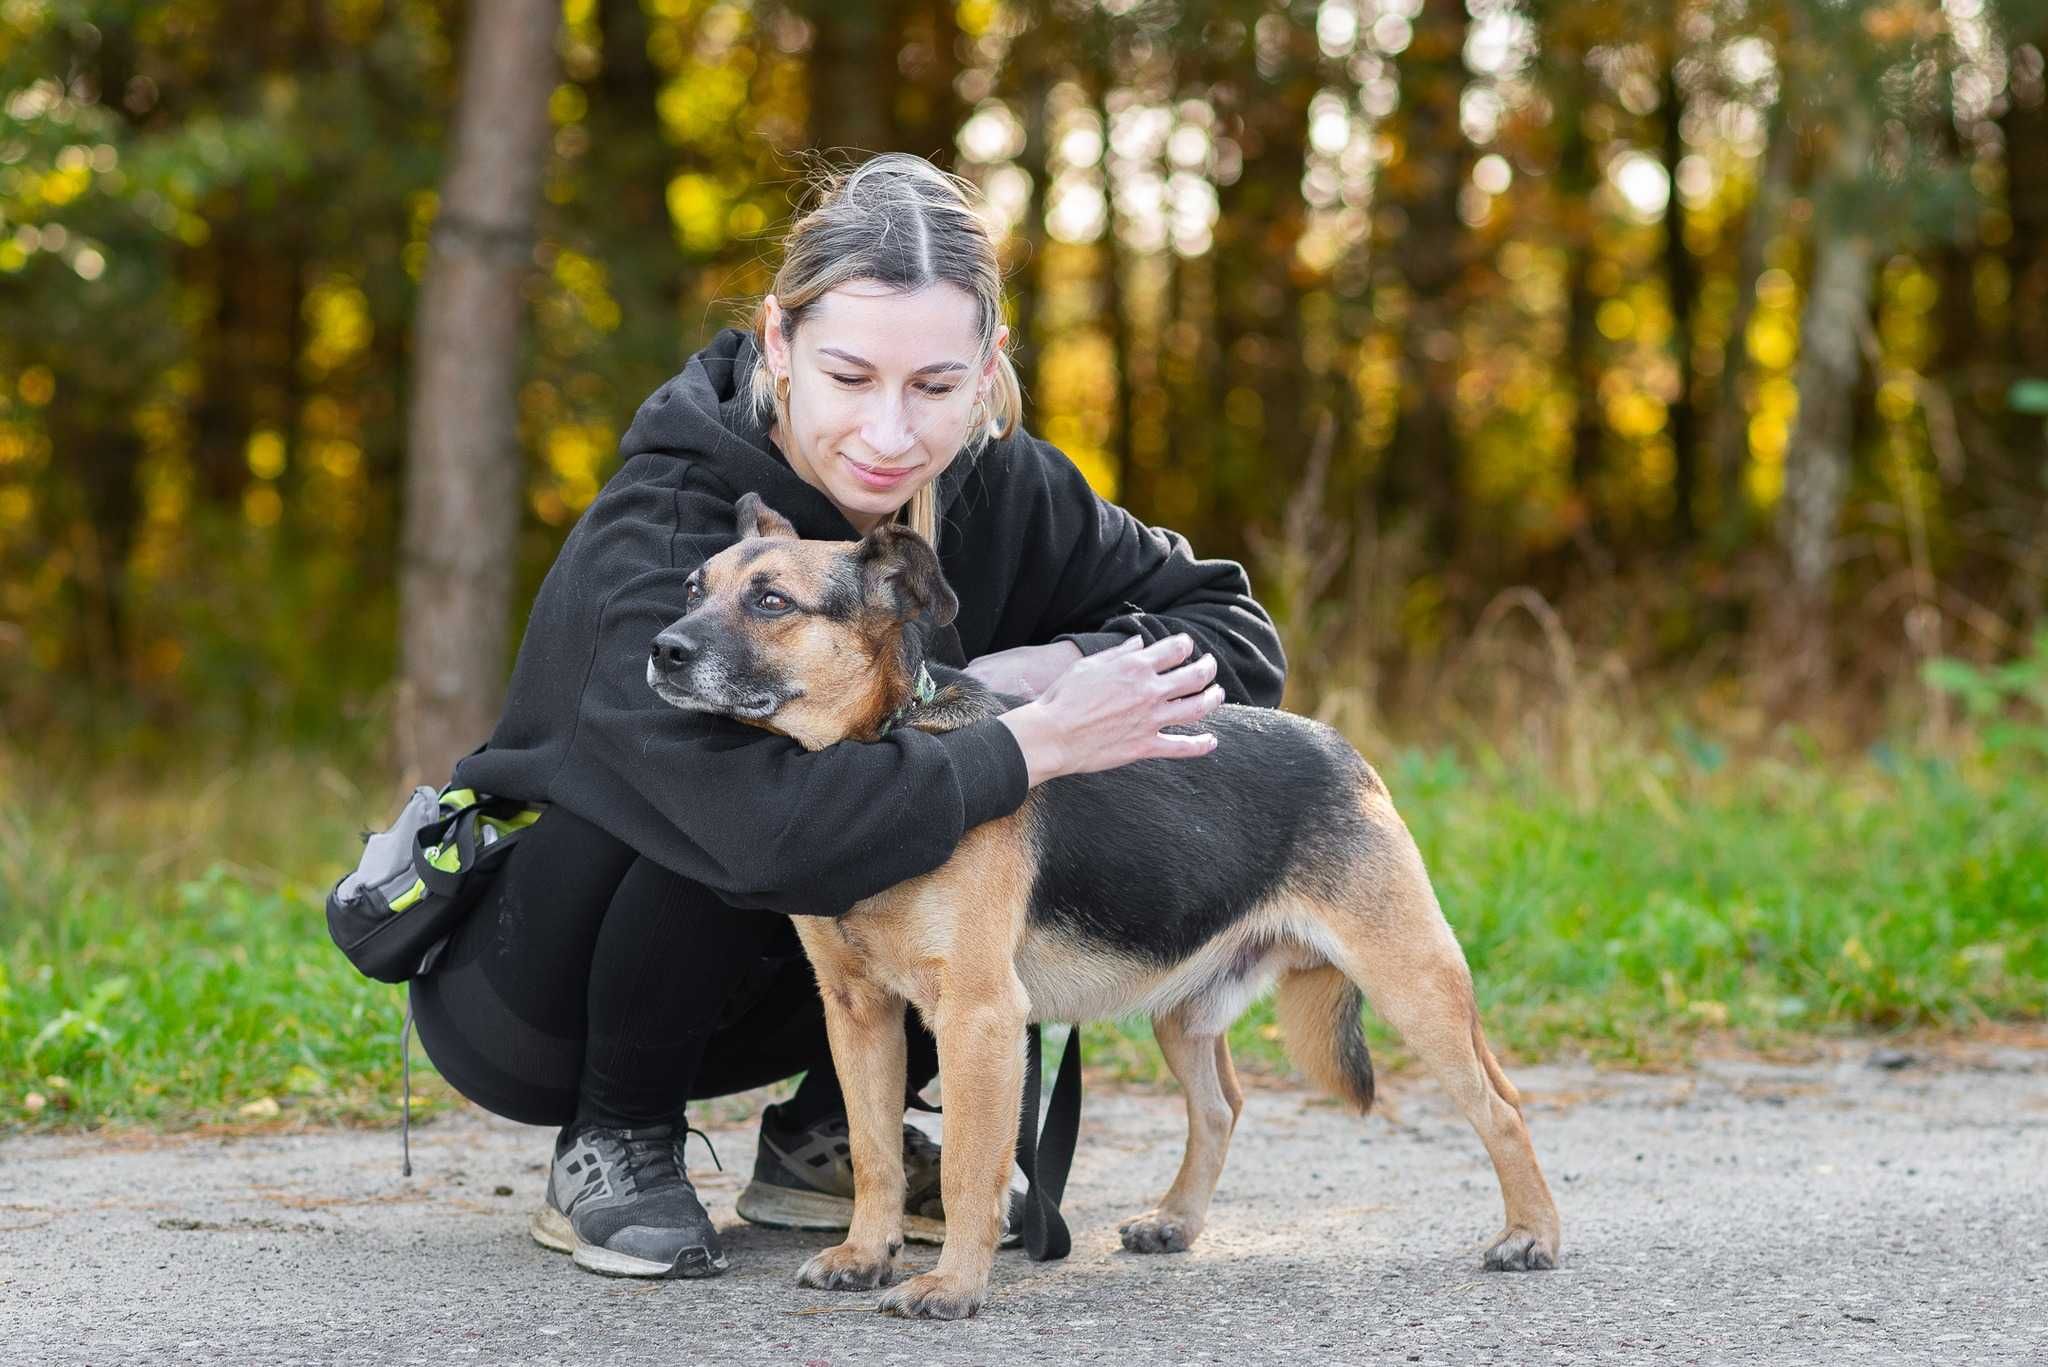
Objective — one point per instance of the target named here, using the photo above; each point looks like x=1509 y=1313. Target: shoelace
x=656 y=1154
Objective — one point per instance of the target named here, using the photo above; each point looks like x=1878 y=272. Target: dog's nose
x=673 y=650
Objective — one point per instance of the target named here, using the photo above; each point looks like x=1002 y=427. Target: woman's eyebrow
x=935 y=368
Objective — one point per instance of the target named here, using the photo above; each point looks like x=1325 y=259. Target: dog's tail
x=1318 y=1010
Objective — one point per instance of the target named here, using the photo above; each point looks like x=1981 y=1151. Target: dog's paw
x=934 y=1296
x=1157 y=1232
x=844 y=1267
x=1519 y=1250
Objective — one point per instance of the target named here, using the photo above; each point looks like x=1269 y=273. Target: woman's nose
x=887 y=432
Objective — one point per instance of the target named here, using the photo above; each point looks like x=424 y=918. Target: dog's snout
x=672 y=650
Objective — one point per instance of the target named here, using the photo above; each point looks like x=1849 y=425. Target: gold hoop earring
x=782 y=388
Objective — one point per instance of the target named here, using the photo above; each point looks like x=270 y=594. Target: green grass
x=163 y=959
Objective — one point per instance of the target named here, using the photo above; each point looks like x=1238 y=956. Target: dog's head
x=817 y=640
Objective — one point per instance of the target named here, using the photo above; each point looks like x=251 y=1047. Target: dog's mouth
x=744 y=706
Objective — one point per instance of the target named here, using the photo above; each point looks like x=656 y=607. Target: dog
x=1176 y=888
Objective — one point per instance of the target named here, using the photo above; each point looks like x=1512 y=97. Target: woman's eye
x=851 y=381
x=773 y=602
x=937 y=391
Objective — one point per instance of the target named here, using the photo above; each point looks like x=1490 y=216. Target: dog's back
x=1156 y=859
x=1167 y=886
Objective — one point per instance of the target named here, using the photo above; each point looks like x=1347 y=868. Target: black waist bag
x=420 y=876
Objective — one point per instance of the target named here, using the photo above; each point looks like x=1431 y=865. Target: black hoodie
x=1032 y=552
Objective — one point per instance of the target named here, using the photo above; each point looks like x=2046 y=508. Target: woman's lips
x=877 y=479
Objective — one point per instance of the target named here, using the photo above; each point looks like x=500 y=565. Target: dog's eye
x=773 y=602
x=692 y=591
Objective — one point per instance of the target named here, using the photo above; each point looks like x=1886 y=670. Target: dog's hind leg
x=1208 y=1081
x=864 y=1022
x=1394 y=943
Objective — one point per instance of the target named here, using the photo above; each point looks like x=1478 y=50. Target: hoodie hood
x=705 y=414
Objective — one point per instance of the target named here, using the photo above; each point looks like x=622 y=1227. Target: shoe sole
x=782 y=1208
x=551 y=1229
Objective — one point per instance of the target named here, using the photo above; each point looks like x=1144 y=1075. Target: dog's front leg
x=980 y=1028
x=865 y=1024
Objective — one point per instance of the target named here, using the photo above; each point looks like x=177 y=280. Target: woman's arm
x=753 y=815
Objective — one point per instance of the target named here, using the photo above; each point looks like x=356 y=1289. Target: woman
x=634 y=952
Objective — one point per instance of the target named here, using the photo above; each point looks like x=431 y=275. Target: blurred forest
x=1698 y=346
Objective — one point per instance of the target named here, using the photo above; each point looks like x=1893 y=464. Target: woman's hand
x=1108 y=709
x=1026 y=671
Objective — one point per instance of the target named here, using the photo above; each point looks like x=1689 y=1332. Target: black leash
x=1046 y=1156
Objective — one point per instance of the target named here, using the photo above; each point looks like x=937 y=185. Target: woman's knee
x=490 y=1056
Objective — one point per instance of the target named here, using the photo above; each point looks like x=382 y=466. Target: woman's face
x=882 y=389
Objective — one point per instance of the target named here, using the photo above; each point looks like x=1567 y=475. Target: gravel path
x=1742 y=1212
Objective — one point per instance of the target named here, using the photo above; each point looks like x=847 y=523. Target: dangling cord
x=405 y=1066
x=689 y=1129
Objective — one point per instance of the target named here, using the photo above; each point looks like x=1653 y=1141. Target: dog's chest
x=888 y=953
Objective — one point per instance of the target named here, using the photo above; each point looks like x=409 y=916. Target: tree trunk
x=921 y=65
x=1422 y=470
x=1728 y=428
x=1817 y=460
x=464 y=474
x=1029 y=287
x=1584 y=361
x=2025 y=126
x=1681 y=284
x=849 y=90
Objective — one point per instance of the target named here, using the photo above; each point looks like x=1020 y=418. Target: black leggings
x=591 y=983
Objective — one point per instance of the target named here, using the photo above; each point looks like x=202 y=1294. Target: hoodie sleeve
x=751 y=814
x=1115 y=577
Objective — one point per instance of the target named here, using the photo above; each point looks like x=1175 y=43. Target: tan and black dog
x=1177 y=888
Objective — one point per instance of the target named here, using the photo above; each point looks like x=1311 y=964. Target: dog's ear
x=755 y=518
x=900 y=575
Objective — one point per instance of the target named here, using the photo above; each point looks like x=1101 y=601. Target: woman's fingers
x=1182 y=747
x=1189 y=710
x=1189 y=678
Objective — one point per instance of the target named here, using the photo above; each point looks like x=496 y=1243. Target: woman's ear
x=995 y=351
x=900 y=575
x=754 y=518
x=774 y=346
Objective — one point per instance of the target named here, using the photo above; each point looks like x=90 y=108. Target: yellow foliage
x=975 y=17
x=339 y=315
x=568 y=104
x=340 y=460
x=1896 y=400
x=1772 y=340
x=1768 y=434
x=1774 y=289
x=574 y=454
x=584 y=280
x=1635 y=415
x=61 y=187
x=262 y=505
x=696 y=205
x=700 y=104
x=265 y=454
x=1616 y=320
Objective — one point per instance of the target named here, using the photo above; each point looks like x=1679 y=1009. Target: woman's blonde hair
x=900 y=221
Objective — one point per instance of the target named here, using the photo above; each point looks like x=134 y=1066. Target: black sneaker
x=620 y=1202
x=803 y=1179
